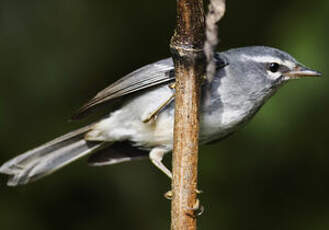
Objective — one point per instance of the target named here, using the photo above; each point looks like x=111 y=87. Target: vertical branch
x=190 y=66
x=189 y=60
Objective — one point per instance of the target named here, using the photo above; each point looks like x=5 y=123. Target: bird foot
x=168 y=195
x=197 y=209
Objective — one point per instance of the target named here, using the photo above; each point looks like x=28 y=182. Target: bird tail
x=48 y=158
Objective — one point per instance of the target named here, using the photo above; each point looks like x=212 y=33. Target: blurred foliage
x=55 y=55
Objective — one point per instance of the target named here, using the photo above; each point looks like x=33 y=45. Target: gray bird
x=143 y=126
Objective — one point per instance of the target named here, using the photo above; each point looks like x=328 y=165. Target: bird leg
x=158 y=109
x=156 y=156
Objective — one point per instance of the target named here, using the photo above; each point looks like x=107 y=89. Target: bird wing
x=150 y=75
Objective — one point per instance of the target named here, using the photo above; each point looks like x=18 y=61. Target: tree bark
x=190 y=64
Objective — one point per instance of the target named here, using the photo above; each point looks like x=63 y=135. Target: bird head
x=251 y=75
x=266 y=64
x=259 y=70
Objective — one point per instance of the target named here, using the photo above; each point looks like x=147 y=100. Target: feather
x=48 y=158
x=148 y=76
x=117 y=153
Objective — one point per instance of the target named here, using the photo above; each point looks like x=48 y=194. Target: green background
x=56 y=54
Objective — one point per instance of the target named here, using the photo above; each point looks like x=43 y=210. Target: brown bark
x=187 y=51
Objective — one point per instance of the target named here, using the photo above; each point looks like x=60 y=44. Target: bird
x=142 y=125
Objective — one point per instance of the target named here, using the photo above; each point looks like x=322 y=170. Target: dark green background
x=56 y=54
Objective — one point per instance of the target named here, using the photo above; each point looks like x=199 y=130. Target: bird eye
x=273 y=67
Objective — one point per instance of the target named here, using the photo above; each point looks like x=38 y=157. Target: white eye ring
x=273 y=76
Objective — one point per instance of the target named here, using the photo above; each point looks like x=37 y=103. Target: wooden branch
x=216 y=11
x=190 y=64
x=187 y=51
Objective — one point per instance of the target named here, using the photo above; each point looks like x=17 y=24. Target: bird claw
x=197 y=209
x=197 y=191
x=168 y=195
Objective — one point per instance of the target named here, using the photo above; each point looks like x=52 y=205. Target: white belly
x=127 y=122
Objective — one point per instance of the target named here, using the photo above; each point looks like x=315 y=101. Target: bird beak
x=301 y=71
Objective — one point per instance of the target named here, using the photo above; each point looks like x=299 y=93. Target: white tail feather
x=48 y=158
